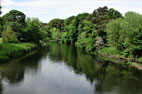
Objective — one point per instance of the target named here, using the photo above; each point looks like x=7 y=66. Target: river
x=65 y=69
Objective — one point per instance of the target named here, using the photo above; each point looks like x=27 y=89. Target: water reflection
x=103 y=76
x=109 y=77
x=13 y=71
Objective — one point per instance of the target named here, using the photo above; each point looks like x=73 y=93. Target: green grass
x=0 y=40
x=13 y=50
x=110 y=51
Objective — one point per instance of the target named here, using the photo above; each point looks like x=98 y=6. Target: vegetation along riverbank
x=14 y=50
x=104 y=31
x=19 y=35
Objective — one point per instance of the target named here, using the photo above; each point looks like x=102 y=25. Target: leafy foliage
x=125 y=34
x=34 y=32
x=82 y=29
x=8 y=36
x=86 y=38
x=16 y=20
x=24 y=30
x=56 y=35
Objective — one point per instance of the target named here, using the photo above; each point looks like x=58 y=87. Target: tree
x=56 y=23
x=56 y=35
x=101 y=18
x=73 y=32
x=86 y=38
x=34 y=32
x=14 y=16
x=16 y=20
x=126 y=33
x=114 y=14
x=9 y=36
x=115 y=34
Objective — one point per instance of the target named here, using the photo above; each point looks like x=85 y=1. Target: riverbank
x=113 y=55
x=15 y=50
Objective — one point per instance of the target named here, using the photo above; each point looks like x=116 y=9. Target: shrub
x=9 y=36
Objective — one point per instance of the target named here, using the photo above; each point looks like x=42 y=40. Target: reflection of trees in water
x=1 y=88
x=14 y=71
x=109 y=76
x=124 y=81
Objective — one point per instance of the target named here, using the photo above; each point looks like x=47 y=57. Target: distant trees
x=54 y=26
x=34 y=30
x=83 y=29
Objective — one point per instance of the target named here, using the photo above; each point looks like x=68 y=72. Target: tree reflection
x=109 y=76
x=1 y=87
x=106 y=77
x=13 y=71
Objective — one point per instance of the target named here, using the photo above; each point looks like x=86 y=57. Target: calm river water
x=65 y=69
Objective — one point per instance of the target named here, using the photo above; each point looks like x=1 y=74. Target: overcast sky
x=46 y=10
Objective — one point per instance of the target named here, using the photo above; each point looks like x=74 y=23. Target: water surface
x=64 y=69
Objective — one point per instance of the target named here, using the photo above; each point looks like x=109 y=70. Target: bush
x=9 y=36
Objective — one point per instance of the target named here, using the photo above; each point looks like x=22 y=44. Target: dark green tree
x=34 y=32
x=16 y=20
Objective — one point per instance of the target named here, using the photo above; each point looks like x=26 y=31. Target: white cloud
x=46 y=10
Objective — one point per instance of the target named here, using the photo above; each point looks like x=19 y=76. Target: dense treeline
x=15 y=28
x=104 y=30
x=84 y=29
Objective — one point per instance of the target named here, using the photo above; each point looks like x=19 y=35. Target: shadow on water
x=105 y=77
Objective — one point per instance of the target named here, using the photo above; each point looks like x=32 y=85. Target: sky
x=46 y=10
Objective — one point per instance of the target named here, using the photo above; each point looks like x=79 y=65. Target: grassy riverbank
x=114 y=55
x=113 y=52
x=13 y=50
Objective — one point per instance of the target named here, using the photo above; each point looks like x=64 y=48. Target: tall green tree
x=34 y=32
x=126 y=33
x=9 y=36
x=16 y=20
x=86 y=38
